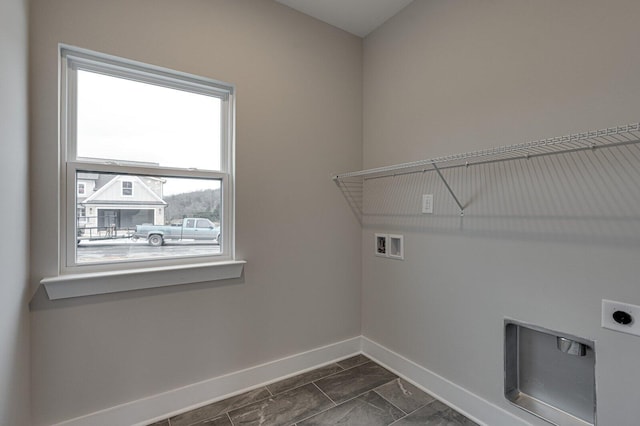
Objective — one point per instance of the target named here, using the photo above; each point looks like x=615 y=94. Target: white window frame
x=122 y=182
x=73 y=59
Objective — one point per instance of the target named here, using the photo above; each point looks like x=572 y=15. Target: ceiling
x=359 y=17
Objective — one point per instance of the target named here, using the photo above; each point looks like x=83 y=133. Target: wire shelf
x=352 y=183
x=604 y=138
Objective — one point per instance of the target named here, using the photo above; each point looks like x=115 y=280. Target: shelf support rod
x=446 y=184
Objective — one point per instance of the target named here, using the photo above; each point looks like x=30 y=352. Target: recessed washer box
x=550 y=374
x=389 y=245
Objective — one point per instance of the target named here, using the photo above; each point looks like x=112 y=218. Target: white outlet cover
x=610 y=306
x=427 y=203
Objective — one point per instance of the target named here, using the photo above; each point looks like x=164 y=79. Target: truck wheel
x=155 y=240
x=219 y=239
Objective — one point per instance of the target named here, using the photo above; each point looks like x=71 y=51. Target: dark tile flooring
x=354 y=391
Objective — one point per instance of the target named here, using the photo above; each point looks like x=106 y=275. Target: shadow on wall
x=582 y=197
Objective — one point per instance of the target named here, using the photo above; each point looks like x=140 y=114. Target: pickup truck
x=191 y=228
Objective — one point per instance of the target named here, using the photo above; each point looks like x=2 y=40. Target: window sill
x=89 y=284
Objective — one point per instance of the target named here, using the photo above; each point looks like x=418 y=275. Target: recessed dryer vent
x=550 y=374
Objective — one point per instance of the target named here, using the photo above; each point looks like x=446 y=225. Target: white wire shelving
x=596 y=139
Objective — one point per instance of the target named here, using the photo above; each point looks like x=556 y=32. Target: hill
x=204 y=203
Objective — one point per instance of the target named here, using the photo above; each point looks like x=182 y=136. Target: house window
x=127 y=188
x=165 y=133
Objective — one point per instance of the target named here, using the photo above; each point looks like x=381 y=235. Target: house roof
x=152 y=198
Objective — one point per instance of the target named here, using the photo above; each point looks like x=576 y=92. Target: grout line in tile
x=318 y=379
x=304 y=384
x=392 y=404
x=249 y=403
x=419 y=408
x=359 y=365
x=350 y=399
x=344 y=402
x=343 y=370
x=359 y=395
x=236 y=409
x=225 y=412
x=356 y=365
x=316 y=414
x=393 y=423
x=428 y=403
x=293 y=424
x=328 y=397
x=335 y=404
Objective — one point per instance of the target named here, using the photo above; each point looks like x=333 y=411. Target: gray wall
x=541 y=241
x=440 y=77
x=299 y=94
x=14 y=192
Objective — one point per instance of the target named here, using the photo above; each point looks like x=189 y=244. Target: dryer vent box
x=550 y=374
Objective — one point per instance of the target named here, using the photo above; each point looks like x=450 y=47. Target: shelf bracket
x=446 y=184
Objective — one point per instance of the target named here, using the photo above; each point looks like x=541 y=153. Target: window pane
x=157 y=220
x=126 y=120
x=127 y=188
x=203 y=223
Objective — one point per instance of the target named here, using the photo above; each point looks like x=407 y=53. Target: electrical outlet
x=427 y=203
x=621 y=317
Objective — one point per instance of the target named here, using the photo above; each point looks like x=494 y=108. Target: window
x=154 y=150
x=203 y=223
x=127 y=188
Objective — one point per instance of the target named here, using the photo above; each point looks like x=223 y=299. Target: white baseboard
x=163 y=405
x=474 y=407
x=167 y=404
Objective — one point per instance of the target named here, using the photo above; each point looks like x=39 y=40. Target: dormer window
x=127 y=188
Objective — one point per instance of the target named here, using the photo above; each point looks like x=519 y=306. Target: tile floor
x=354 y=391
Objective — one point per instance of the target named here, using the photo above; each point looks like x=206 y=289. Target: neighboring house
x=120 y=202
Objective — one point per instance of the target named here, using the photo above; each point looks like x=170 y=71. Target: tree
x=203 y=203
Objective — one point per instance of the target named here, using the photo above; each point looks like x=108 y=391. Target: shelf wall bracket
x=446 y=184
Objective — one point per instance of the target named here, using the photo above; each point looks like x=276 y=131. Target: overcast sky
x=120 y=119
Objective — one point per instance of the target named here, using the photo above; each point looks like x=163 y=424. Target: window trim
x=73 y=59
x=122 y=187
x=95 y=283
